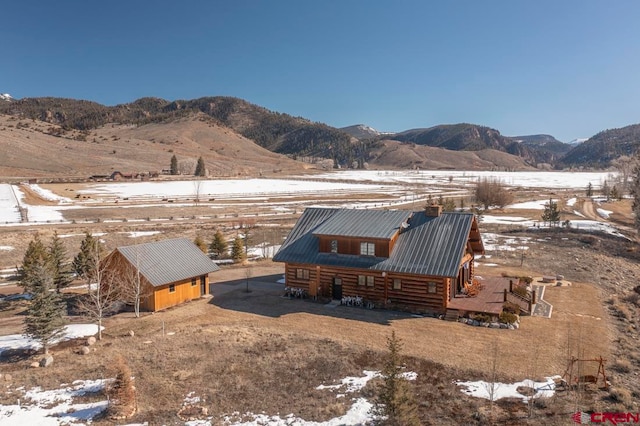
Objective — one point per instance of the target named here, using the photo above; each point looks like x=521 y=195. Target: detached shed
x=171 y=271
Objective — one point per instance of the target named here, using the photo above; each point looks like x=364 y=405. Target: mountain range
x=295 y=138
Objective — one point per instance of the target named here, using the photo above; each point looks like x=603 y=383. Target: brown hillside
x=390 y=153
x=32 y=148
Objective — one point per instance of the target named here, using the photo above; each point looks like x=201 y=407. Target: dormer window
x=334 y=246
x=367 y=249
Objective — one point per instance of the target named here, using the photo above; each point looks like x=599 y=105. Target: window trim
x=333 y=246
x=366 y=281
x=194 y=281
x=367 y=248
x=397 y=284
x=172 y=288
x=432 y=285
x=302 y=274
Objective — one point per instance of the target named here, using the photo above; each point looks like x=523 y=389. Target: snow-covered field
x=356 y=187
x=20 y=341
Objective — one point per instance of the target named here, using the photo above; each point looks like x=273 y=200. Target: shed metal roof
x=429 y=246
x=168 y=261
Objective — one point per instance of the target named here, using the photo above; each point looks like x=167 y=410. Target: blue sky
x=569 y=68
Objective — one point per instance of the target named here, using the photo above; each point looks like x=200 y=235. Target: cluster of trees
x=176 y=168
x=491 y=192
x=219 y=247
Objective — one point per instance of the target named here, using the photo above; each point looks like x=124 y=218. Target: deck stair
x=451 y=315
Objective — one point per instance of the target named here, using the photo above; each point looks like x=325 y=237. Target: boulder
x=131 y=333
x=46 y=361
x=34 y=364
x=503 y=325
x=476 y=323
x=7 y=377
x=91 y=341
x=85 y=350
x=494 y=325
x=516 y=325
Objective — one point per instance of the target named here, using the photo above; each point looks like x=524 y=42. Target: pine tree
x=61 y=268
x=615 y=194
x=551 y=213
x=121 y=393
x=174 y=165
x=200 y=168
x=395 y=405
x=237 y=250
x=218 y=245
x=589 y=191
x=35 y=259
x=86 y=262
x=449 y=205
x=198 y=241
x=45 y=318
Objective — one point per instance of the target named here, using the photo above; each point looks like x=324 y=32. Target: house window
x=172 y=288
x=334 y=246
x=302 y=274
x=397 y=284
x=366 y=280
x=194 y=282
x=367 y=249
x=431 y=287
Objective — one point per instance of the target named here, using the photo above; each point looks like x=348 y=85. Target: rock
x=85 y=350
x=462 y=320
x=34 y=364
x=494 y=325
x=476 y=323
x=503 y=325
x=516 y=325
x=7 y=377
x=46 y=361
x=131 y=333
x=511 y=327
x=91 y=341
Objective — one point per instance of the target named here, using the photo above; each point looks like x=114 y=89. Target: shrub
x=621 y=395
x=508 y=317
x=621 y=366
x=526 y=280
x=511 y=308
x=482 y=317
x=521 y=291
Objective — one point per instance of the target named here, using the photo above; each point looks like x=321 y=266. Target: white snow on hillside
x=5 y=97
x=604 y=213
x=47 y=195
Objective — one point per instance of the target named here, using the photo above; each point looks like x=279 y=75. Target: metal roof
x=429 y=246
x=168 y=261
x=363 y=223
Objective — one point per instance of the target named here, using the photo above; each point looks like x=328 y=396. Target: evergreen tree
x=449 y=205
x=589 y=192
x=121 y=392
x=551 y=213
x=35 y=260
x=395 y=405
x=218 y=245
x=200 y=168
x=237 y=250
x=45 y=318
x=615 y=194
x=61 y=268
x=86 y=262
x=200 y=243
x=174 y=165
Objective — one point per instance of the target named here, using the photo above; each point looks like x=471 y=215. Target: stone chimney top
x=433 y=210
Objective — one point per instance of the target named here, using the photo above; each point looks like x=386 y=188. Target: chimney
x=433 y=210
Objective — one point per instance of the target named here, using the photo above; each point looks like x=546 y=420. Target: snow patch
x=482 y=389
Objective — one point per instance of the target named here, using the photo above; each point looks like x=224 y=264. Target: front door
x=203 y=286
x=336 y=288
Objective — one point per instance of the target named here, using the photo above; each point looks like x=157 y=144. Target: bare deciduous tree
x=491 y=192
x=102 y=291
x=130 y=284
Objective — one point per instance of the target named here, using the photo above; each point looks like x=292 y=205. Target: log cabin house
x=171 y=271
x=401 y=259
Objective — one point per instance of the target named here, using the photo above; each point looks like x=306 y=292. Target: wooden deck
x=489 y=300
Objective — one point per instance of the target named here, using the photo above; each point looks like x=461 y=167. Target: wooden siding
x=413 y=295
x=352 y=245
x=184 y=291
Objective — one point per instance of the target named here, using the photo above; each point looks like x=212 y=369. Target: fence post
x=533 y=296
x=505 y=295
x=510 y=286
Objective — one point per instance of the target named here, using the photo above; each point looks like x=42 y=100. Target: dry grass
x=259 y=352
